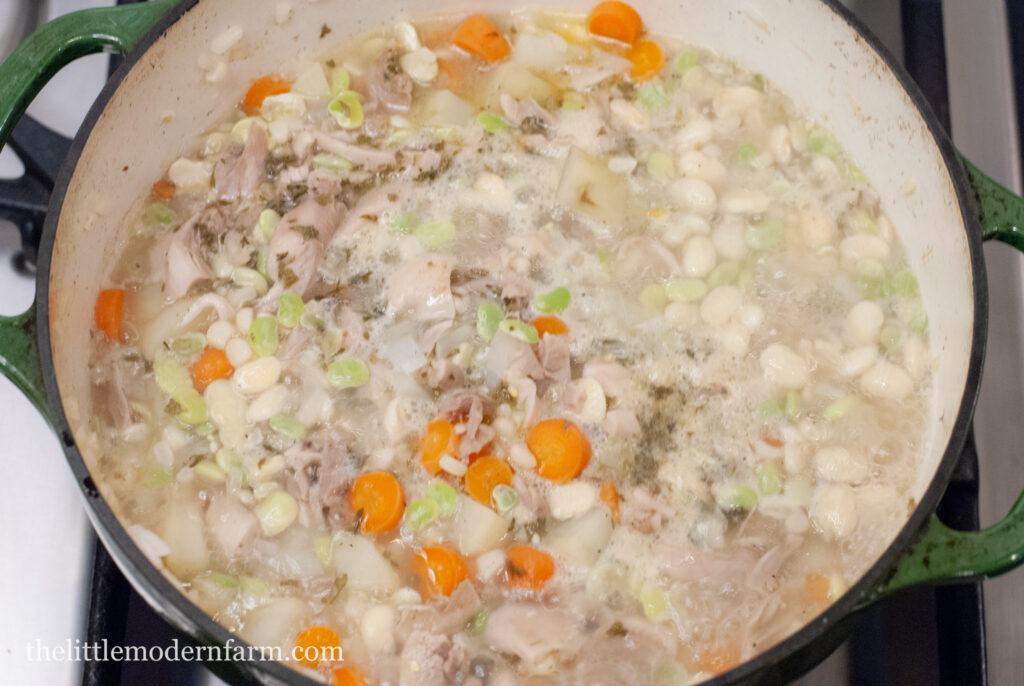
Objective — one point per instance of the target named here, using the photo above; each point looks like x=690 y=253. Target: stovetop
x=60 y=585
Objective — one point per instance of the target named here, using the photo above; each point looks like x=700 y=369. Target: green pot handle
x=22 y=75
x=942 y=555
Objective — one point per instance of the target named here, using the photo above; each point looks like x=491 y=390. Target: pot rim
x=186 y=615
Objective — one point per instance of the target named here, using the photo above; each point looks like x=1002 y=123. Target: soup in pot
x=528 y=348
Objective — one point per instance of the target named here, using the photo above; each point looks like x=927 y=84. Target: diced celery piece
x=478 y=623
x=573 y=101
x=488 y=317
x=746 y=152
x=685 y=290
x=267 y=223
x=687 y=61
x=918 y=323
x=854 y=174
x=252 y=586
x=660 y=165
x=324 y=549
x=793 y=406
x=209 y=471
x=289 y=309
x=504 y=498
x=193 y=407
x=225 y=580
x=159 y=213
x=288 y=425
x=520 y=330
x=263 y=336
x=155 y=476
x=171 y=376
x=346 y=109
x=331 y=162
x=404 y=222
x=434 y=234
x=421 y=512
x=757 y=81
x=653 y=96
x=445 y=496
x=769 y=408
x=554 y=301
x=736 y=497
x=350 y=373
x=822 y=143
x=838 y=408
x=764 y=235
x=653 y=297
x=188 y=344
x=902 y=282
x=491 y=122
x=768 y=480
x=340 y=81
x=653 y=600
x=890 y=337
x=724 y=274
x=228 y=459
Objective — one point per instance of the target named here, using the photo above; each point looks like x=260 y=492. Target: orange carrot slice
x=440 y=570
x=109 y=312
x=527 y=567
x=380 y=498
x=212 y=365
x=647 y=58
x=547 y=323
x=616 y=21
x=561 y=448
x=316 y=645
x=261 y=89
x=478 y=36
x=439 y=439
x=484 y=475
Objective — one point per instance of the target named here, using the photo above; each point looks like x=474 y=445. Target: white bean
x=489 y=564
x=521 y=456
x=745 y=202
x=818 y=228
x=698 y=256
x=698 y=165
x=720 y=304
x=856 y=361
x=626 y=115
x=863 y=322
x=452 y=466
x=695 y=195
x=834 y=510
x=886 y=380
x=735 y=338
x=406 y=35
x=226 y=39
x=836 y=463
x=779 y=142
x=863 y=246
x=783 y=367
x=571 y=499
x=243 y=319
x=187 y=173
x=219 y=333
x=729 y=239
x=915 y=356
x=378 y=629
x=238 y=352
x=267 y=404
x=595 y=405
x=420 y=64
x=694 y=134
x=752 y=316
x=736 y=99
x=257 y=376
x=681 y=315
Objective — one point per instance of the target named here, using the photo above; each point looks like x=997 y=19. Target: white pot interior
x=801 y=46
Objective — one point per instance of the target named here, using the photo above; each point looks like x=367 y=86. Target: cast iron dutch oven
x=814 y=51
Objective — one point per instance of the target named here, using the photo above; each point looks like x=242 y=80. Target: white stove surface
x=45 y=545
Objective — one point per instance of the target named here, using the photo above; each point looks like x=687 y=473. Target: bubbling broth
x=521 y=349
